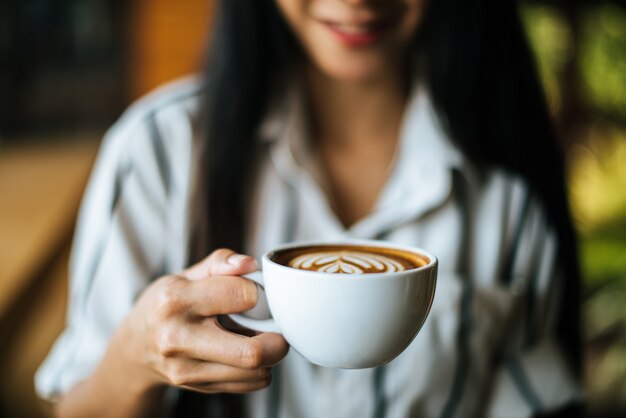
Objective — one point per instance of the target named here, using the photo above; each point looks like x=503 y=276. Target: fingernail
x=236 y=259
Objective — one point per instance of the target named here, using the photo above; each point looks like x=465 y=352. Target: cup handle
x=262 y=325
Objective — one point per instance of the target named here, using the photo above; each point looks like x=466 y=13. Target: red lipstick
x=357 y=35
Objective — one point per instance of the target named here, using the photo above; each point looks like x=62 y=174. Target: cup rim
x=432 y=259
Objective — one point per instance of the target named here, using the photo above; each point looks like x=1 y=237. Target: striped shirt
x=488 y=347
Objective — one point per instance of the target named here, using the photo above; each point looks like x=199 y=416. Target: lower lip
x=357 y=40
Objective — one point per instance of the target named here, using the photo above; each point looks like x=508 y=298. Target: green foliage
x=605 y=326
x=604 y=261
x=551 y=40
x=597 y=180
x=596 y=176
x=603 y=59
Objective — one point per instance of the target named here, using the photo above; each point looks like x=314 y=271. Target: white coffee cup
x=346 y=321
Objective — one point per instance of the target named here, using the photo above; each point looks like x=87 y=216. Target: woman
x=411 y=121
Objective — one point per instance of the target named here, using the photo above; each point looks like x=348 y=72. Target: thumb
x=222 y=262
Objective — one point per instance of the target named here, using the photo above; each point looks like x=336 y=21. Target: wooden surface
x=41 y=184
x=29 y=330
x=40 y=188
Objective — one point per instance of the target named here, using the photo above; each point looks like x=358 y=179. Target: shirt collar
x=422 y=129
x=420 y=179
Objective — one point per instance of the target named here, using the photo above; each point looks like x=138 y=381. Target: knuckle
x=168 y=301
x=217 y=259
x=167 y=341
x=221 y=254
x=251 y=355
x=177 y=374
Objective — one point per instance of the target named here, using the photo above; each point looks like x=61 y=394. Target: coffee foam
x=349 y=259
x=346 y=262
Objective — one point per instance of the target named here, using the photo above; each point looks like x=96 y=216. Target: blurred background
x=68 y=68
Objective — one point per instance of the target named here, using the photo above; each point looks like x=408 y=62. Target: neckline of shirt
x=419 y=181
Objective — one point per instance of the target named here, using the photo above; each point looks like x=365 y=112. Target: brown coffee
x=349 y=259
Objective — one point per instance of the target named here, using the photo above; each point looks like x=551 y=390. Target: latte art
x=346 y=262
x=349 y=259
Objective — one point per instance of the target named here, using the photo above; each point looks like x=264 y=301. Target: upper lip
x=364 y=23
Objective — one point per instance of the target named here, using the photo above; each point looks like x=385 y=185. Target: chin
x=353 y=71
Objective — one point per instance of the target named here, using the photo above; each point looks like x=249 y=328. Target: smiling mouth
x=358 y=35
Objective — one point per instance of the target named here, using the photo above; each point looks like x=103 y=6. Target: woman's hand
x=173 y=335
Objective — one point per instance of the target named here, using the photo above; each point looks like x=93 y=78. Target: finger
x=275 y=347
x=220 y=295
x=230 y=387
x=222 y=262
x=186 y=371
x=224 y=373
x=216 y=295
x=207 y=341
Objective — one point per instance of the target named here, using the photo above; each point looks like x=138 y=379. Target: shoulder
x=158 y=134
x=177 y=102
x=181 y=93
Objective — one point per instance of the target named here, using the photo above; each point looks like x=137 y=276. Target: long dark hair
x=476 y=63
x=483 y=81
